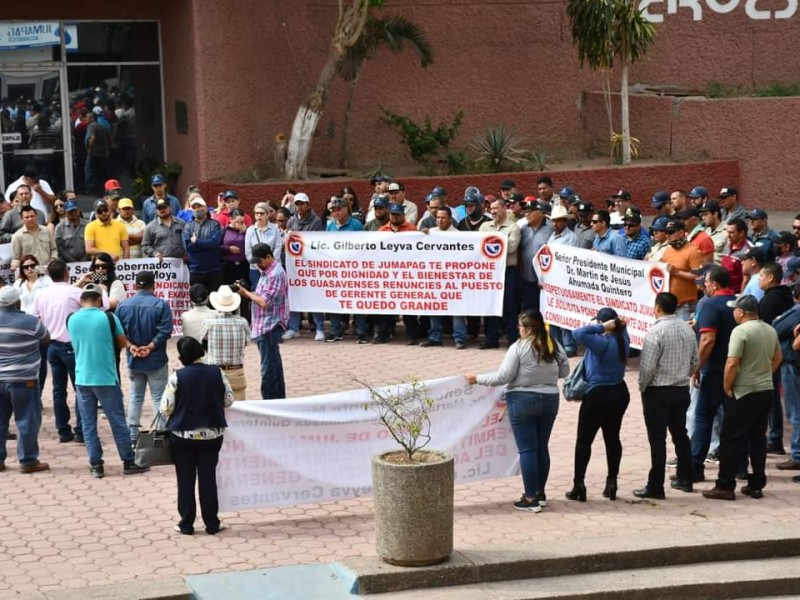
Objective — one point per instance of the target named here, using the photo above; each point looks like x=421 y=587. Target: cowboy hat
x=225 y=299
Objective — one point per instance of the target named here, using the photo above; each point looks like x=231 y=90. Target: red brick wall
x=592 y=184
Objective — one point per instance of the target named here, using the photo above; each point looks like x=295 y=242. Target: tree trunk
x=626 y=126
x=345 y=159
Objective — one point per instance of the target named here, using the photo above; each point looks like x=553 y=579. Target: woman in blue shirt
x=607 y=398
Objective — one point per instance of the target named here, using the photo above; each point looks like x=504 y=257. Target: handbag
x=152 y=446
x=575 y=383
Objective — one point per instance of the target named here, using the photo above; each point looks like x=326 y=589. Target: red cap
x=113 y=184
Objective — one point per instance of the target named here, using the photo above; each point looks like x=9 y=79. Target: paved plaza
x=64 y=529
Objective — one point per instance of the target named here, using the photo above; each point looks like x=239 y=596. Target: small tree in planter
x=412 y=487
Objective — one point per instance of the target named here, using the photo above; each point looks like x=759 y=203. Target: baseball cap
x=566 y=192
x=674 y=225
x=688 y=213
x=438 y=191
x=230 y=194
x=71 y=205
x=91 y=289
x=157 y=180
x=198 y=293
x=395 y=187
x=381 y=202
x=698 y=191
x=632 y=215
x=757 y=213
x=535 y=205
x=198 y=201
x=507 y=184
x=145 y=279
x=301 y=197
x=584 y=207
x=755 y=253
x=125 y=203
x=429 y=197
x=660 y=199
x=100 y=204
x=98 y=110
x=471 y=190
x=260 y=251
x=622 y=194
x=660 y=223
x=9 y=296
x=606 y=314
x=473 y=198
x=396 y=208
x=747 y=302
x=112 y=184
x=337 y=203
x=710 y=206
x=728 y=191
x=160 y=202
x=379 y=178
x=515 y=197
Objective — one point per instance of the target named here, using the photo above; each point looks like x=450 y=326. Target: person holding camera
x=607 y=397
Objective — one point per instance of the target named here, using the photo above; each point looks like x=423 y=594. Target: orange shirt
x=688 y=258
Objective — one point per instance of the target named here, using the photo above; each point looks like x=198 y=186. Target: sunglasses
x=796 y=228
x=162 y=207
x=260 y=212
x=98 y=266
x=29 y=267
x=58 y=205
x=595 y=221
x=101 y=211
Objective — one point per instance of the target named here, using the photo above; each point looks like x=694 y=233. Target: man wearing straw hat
x=227 y=334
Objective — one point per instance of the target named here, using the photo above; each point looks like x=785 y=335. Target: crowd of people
x=721 y=259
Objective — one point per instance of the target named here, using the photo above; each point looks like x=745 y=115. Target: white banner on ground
x=576 y=283
x=441 y=273
x=319 y=448
x=172 y=281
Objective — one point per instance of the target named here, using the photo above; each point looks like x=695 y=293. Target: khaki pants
x=238 y=382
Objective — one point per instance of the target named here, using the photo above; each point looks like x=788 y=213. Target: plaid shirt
x=227 y=336
x=639 y=247
x=274 y=288
x=669 y=354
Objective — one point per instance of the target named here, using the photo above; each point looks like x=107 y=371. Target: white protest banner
x=319 y=448
x=441 y=273
x=576 y=283
x=5 y=263
x=172 y=281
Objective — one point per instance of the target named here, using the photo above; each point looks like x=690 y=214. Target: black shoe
x=412 y=343
x=754 y=494
x=461 y=346
x=63 y=439
x=742 y=476
x=772 y=449
x=648 y=493
x=97 y=471
x=334 y=338
x=380 y=340
x=470 y=338
x=796 y=479
x=429 y=344
x=362 y=339
x=529 y=505
x=542 y=498
x=697 y=477
x=488 y=345
x=683 y=486
x=131 y=468
x=610 y=490
x=578 y=492
x=79 y=439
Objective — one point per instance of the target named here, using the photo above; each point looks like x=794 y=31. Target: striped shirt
x=227 y=335
x=274 y=288
x=669 y=354
x=20 y=337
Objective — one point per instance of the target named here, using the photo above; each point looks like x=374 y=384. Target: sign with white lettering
x=319 y=448
x=721 y=7
x=10 y=138
x=35 y=34
x=576 y=283
x=441 y=273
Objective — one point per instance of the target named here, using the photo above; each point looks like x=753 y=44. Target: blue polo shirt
x=611 y=243
x=95 y=351
x=716 y=316
x=352 y=224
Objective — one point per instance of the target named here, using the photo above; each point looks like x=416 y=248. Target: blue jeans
x=532 y=417
x=459 y=329
x=21 y=398
x=529 y=294
x=685 y=311
x=791 y=400
x=510 y=311
x=337 y=324
x=157 y=380
x=296 y=317
x=110 y=399
x=61 y=357
x=564 y=337
x=775 y=419
x=273 y=386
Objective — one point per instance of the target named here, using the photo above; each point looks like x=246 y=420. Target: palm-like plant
x=392 y=32
x=498 y=148
x=605 y=30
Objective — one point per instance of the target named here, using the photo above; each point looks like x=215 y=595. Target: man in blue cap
x=661 y=204
x=761 y=235
x=698 y=196
x=159 y=186
x=660 y=242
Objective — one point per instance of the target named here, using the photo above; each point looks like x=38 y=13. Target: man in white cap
x=227 y=333
x=562 y=235
x=21 y=335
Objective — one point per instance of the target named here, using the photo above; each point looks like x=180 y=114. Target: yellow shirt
x=107 y=237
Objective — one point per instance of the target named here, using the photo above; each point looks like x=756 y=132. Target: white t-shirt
x=36 y=201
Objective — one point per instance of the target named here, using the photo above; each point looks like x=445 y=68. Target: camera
x=241 y=283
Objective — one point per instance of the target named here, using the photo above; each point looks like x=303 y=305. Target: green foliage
x=539 y=160
x=404 y=410
x=778 y=89
x=715 y=89
x=499 y=149
x=425 y=143
x=144 y=170
x=616 y=147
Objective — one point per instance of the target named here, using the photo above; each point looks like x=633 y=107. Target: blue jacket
x=784 y=326
x=205 y=254
x=149 y=207
x=602 y=364
x=146 y=319
x=199 y=399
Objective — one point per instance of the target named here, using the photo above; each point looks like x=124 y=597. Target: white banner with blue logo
x=576 y=283
x=440 y=273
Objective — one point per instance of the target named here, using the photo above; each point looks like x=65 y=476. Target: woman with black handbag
x=606 y=400
x=195 y=401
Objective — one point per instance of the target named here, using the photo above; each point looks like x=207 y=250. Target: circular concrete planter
x=413 y=507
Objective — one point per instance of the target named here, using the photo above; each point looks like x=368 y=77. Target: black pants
x=211 y=279
x=665 y=409
x=745 y=422
x=602 y=408
x=197 y=459
x=384 y=326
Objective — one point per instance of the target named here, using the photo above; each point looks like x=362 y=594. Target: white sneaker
x=290 y=334
x=320 y=337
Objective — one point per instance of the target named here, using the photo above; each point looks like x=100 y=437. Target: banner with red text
x=319 y=448
x=172 y=281
x=441 y=273
x=576 y=283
